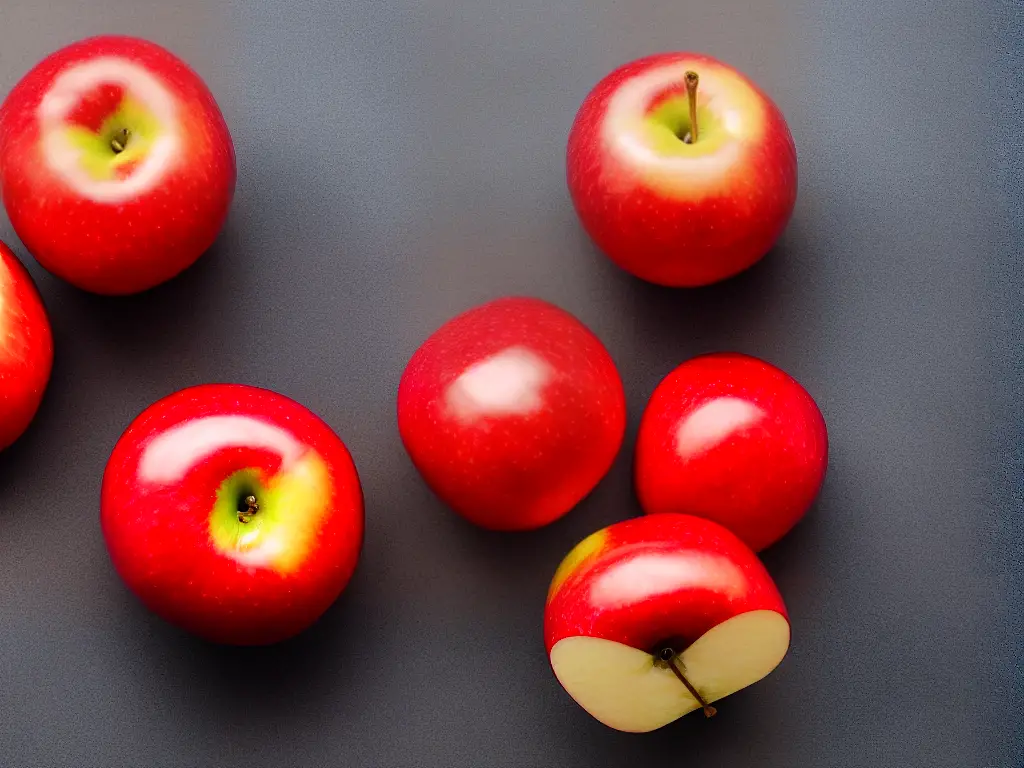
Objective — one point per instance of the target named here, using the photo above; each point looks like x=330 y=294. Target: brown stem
x=120 y=141
x=252 y=507
x=692 y=80
x=669 y=656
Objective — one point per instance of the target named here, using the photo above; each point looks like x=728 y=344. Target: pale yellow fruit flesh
x=626 y=689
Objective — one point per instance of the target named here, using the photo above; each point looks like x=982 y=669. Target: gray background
x=401 y=161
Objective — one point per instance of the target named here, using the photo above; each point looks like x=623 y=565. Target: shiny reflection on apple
x=713 y=423
x=172 y=454
x=653 y=574
x=509 y=383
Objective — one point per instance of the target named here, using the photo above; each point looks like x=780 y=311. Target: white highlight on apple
x=713 y=422
x=508 y=383
x=65 y=158
x=169 y=456
x=648 y=575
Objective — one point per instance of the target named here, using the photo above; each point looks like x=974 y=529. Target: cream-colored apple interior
x=626 y=689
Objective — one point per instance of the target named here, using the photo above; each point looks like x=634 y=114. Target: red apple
x=233 y=512
x=116 y=166
x=733 y=439
x=512 y=412
x=26 y=348
x=681 y=169
x=655 y=617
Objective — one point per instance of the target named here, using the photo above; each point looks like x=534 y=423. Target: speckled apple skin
x=657 y=581
x=674 y=223
x=513 y=471
x=157 y=523
x=26 y=348
x=733 y=439
x=131 y=245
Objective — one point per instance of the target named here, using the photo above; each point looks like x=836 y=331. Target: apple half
x=655 y=617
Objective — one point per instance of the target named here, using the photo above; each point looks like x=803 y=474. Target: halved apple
x=653 y=618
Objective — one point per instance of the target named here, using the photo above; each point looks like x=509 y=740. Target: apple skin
x=26 y=348
x=655 y=579
x=512 y=411
x=106 y=222
x=169 y=513
x=736 y=440
x=669 y=212
x=653 y=618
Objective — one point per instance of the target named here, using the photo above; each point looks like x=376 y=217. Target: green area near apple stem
x=125 y=137
x=671 y=126
x=244 y=508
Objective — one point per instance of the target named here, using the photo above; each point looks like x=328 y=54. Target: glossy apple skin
x=26 y=348
x=654 y=581
x=158 y=530
x=733 y=439
x=546 y=423
x=672 y=215
x=133 y=242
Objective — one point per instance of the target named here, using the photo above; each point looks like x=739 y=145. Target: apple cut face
x=631 y=690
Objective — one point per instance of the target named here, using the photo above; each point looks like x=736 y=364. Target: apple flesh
x=655 y=617
x=233 y=512
x=681 y=193
x=116 y=166
x=26 y=348
x=512 y=412
x=736 y=440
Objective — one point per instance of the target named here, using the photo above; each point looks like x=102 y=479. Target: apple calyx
x=119 y=141
x=251 y=508
x=667 y=657
x=692 y=80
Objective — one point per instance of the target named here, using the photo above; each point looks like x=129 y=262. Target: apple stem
x=252 y=507
x=120 y=141
x=692 y=80
x=669 y=656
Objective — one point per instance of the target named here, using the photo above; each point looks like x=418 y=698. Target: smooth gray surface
x=400 y=161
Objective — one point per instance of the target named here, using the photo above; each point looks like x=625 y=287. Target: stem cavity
x=669 y=656
x=120 y=141
x=692 y=80
x=251 y=508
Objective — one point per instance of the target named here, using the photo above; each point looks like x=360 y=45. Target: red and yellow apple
x=26 y=348
x=512 y=411
x=655 y=617
x=233 y=512
x=733 y=439
x=681 y=169
x=116 y=165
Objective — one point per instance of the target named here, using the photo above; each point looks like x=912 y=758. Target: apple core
x=668 y=656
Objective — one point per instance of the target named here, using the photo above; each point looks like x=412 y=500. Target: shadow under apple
x=682 y=322
x=246 y=685
x=144 y=324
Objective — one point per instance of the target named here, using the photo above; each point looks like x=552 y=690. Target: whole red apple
x=733 y=439
x=655 y=617
x=26 y=348
x=681 y=169
x=512 y=412
x=233 y=512
x=116 y=166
